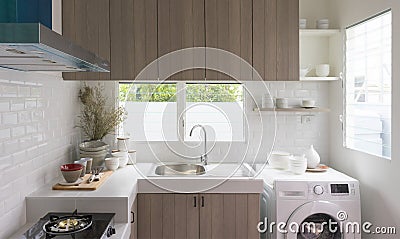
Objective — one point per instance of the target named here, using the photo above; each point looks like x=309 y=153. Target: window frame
x=181 y=105
x=343 y=77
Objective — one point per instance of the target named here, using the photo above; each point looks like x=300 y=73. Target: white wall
x=38 y=114
x=379 y=178
x=292 y=135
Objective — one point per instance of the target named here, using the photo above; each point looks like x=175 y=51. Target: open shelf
x=319 y=32
x=295 y=109
x=316 y=78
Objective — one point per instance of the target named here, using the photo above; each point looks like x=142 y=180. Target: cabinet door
x=229 y=215
x=264 y=38
x=228 y=26
x=180 y=25
x=168 y=216
x=87 y=24
x=133 y=33
x=287 y=40
x=134 y=220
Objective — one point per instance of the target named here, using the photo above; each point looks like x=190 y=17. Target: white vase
x=313 y=158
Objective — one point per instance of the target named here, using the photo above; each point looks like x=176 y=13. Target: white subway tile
x=18 y=131
x=5 y=134
x=9 y=91
x=17 y=104
x=24 y=91
x=10 y=118
x=24 y=117
x=4 y=106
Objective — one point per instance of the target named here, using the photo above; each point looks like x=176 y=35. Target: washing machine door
x=317 y=220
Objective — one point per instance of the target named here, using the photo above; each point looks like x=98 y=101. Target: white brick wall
x=37 y=114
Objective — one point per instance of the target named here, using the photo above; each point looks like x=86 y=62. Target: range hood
x=29 y=44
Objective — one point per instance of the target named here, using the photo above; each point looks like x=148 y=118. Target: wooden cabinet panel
x=87 y=24
x=180 y=25
x=228 y=26
x=168 y=216
x=288 y=40
x=264 y=38
x=229 y=216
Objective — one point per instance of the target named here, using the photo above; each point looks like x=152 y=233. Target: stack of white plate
x=323 y=24
x=298 y=164
x=94 y=149
x=279 y=160
x=303 y=23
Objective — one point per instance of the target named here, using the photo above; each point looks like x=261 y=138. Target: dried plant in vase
x=96 y=120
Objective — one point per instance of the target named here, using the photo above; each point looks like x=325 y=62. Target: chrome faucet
x=203 y=158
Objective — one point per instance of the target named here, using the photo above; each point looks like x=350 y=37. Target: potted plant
x=96 y=121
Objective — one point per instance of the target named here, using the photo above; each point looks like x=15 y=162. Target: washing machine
x=310 y=206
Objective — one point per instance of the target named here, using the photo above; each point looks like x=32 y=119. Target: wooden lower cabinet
x=134 y=220
x=214 y=216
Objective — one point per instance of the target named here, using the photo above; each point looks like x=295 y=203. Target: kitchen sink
x=180 y=169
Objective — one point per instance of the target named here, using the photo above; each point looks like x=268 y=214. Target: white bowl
x=308 y=103
x=112 y=163
x=123 y=158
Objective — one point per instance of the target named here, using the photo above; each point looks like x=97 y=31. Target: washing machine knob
x=318 y=189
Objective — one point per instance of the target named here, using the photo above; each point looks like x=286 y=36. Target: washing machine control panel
x=318 y=189
x=331 y=190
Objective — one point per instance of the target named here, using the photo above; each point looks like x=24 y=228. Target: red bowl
x=71 y=167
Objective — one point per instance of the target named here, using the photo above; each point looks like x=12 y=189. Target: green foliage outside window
x=167 y=92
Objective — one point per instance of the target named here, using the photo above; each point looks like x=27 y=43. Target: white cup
x=281 y=102
x=322 y=70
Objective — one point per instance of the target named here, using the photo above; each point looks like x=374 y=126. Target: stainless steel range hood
x=34 y=47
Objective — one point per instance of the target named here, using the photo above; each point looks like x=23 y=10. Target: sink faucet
x=203 y=158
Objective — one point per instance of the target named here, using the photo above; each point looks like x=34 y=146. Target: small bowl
x=123 y=158
x=71 y=172
x=112 y=163
x=308 y=103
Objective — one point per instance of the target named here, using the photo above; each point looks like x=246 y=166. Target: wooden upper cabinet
x=264 y=39
x=87 y=24
x=228 y=26
x=276 y=39
x=287 y=58
x=180 y=25
x=133 y=31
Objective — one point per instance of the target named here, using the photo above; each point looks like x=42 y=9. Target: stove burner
x=67 y=224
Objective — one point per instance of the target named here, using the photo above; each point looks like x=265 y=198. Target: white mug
x=322 y=70
x=281 y=102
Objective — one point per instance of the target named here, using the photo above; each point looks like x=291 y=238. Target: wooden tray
x=84 y=185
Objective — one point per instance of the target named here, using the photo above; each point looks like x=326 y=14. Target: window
x=159 y=112
x=368 y=88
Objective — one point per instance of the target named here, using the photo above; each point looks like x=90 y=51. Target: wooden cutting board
x=84 y=185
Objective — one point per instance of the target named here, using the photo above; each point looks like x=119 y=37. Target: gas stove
x=59 y=225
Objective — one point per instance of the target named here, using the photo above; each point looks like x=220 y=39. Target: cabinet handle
x=202 y=201
x=194 y=201
x=133 y=217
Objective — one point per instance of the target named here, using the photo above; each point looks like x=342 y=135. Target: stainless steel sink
x=180 y=169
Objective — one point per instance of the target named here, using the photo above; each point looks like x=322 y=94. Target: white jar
x=123 y=144
x=281 y=102
x=322 y=70
x=313 y=158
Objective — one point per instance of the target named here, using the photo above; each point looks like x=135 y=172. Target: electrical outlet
x=306 y=119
